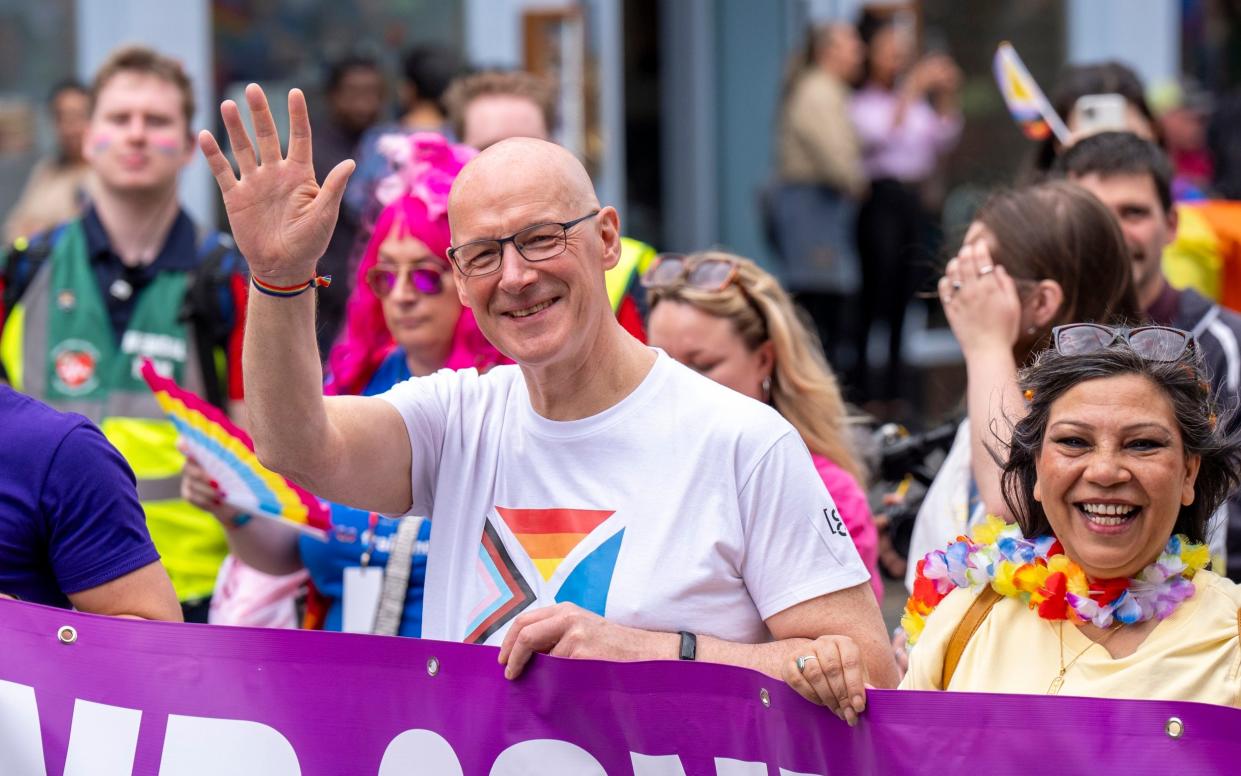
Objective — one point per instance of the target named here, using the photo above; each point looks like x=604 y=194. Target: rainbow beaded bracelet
x=318 y=281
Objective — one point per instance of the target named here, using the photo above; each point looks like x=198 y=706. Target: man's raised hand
x=280 y=217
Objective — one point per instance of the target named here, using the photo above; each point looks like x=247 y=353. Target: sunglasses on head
x=382 y=279
x=705 y=274
x=1153 y=343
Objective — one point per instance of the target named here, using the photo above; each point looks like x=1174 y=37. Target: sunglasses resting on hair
x=1154 y=343
x=705 y=274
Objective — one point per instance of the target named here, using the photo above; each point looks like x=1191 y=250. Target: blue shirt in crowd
x=70 y=519
x=348 y=538
x=350 y=534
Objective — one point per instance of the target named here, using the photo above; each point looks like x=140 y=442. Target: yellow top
x=1194 y=655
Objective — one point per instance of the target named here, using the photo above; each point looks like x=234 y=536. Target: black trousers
x=893 y=231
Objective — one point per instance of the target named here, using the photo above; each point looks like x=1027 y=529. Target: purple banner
x=119 y=697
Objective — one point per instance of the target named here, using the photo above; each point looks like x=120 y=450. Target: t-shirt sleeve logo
x=834 y=523
x=548 y=538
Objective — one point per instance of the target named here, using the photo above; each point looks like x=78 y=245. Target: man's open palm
x=281 y=219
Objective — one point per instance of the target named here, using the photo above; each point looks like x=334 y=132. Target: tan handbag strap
x=974 y=616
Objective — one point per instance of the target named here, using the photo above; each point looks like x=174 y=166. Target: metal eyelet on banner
x=765 y=698
x=67 y=634
x=1174 y=727
x=433 y=666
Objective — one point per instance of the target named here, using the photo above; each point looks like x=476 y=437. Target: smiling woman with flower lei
x=1100 y=589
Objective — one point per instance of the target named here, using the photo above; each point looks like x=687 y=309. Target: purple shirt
x=908 y=152
x=70 y=519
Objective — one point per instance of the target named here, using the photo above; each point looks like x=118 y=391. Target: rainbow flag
x=227 y=454
x=1025 y=100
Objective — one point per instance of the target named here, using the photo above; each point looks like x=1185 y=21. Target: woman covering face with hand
x=1100 y=588
x=1032 y=259
x=725 y=317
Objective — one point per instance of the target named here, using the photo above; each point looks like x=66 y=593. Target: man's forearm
x=284 y=383
x=768 y=658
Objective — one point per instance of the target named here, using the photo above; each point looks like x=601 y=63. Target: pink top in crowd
x=855 y=511
x=908 y=152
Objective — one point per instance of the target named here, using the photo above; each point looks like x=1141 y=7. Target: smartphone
x=1099 y=113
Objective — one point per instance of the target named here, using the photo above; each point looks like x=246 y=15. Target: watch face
x=689 y=646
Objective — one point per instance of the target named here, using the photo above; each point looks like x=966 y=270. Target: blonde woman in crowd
x=725 y=317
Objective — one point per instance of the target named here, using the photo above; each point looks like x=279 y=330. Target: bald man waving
x=597 y=499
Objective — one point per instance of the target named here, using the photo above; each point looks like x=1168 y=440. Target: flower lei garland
x=1037 y=572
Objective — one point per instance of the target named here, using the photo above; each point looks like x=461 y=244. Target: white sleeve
x=942 y=516
x=425 y=404
x=796 y=545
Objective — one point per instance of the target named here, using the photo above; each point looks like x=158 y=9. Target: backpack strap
x=974 y=616
x=207 y=310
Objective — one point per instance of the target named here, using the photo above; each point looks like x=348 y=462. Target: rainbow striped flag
x=1025 y=100
x=227 y=454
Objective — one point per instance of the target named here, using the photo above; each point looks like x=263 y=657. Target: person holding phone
x=907 y=116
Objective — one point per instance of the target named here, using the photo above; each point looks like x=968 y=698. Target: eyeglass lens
x=666 y=272
x=424 y=280
x=710 y=275
x=1087 y=338
x=1157 y=344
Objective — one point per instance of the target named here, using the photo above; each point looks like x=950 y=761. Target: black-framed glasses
x=382 y=279
x=1154 y=343
x=711 y=273
x=539 y=242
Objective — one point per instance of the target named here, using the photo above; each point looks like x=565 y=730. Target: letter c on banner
x=546 y=755
x=417 y=752
x=204 y=746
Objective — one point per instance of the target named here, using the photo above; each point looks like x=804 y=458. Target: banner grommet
x=1174 y=727
x=764 y=697
x=67 y=634
x=433 y=666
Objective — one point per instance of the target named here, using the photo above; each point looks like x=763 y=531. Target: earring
x=766 y=388
x=1031 y=330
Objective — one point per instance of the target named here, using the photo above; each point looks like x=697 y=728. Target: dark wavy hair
x=1185 y=384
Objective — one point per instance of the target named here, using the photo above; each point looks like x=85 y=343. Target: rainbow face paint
x=167 y=146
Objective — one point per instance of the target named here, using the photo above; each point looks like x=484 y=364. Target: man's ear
x=1044 y=304
x=609 y=230
x=459 y=284
x=1174 y=222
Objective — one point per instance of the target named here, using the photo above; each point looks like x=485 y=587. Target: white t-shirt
x=686 y=506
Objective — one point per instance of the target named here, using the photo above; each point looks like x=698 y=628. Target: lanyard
x=370 y=539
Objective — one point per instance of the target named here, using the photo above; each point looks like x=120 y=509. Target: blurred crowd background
x=673 y=104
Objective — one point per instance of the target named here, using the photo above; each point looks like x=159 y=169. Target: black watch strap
x=689 y=645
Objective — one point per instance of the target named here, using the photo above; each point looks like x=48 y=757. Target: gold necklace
x=1058 y=682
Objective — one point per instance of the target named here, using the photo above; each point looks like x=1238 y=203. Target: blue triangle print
x=588 y=584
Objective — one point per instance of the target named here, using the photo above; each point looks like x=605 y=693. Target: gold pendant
x=1056 y=684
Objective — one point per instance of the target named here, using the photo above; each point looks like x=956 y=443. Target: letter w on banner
x=126 y=697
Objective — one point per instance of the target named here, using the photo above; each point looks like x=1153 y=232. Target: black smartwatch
x=689 y=645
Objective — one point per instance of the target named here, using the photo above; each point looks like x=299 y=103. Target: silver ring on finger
x=987 y=270
x=801 y=662
x=956 y=286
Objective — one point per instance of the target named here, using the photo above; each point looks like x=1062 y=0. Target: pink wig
x=415 y=200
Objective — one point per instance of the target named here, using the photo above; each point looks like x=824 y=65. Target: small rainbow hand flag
x=227 y=454
x=1026 y=102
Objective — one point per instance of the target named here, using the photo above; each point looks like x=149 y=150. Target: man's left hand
x=566 y=630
